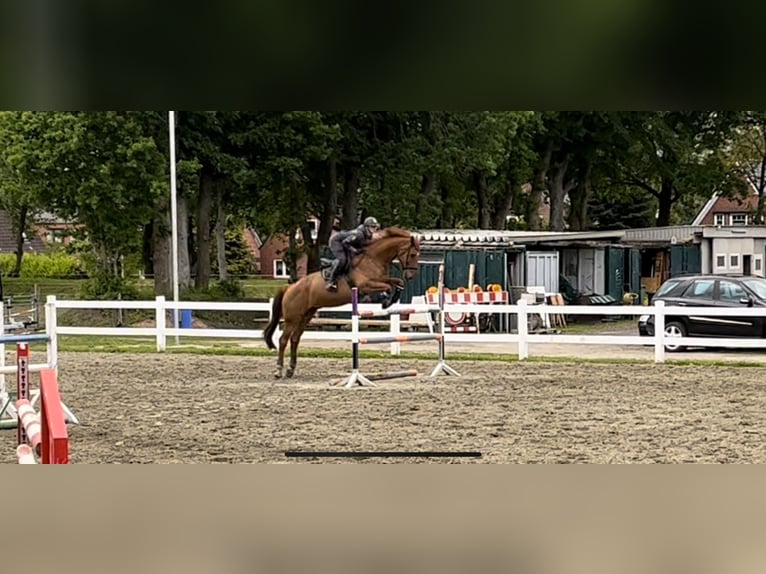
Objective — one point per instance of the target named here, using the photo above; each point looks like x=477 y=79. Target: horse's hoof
x=289 y=374
x=277 y=374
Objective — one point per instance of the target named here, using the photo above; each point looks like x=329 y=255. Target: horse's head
x=395 y=243
x=409 y=256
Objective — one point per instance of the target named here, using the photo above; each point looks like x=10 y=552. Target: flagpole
x=174 y=216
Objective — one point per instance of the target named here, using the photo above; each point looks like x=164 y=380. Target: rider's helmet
x=371 y=225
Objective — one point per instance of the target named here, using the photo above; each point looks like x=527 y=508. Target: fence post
x=523 y=329
x=659 y=332
x=51 y=323
x=160 y=323
x=395 y=331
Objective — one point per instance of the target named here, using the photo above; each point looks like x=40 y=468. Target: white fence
x=161 y=331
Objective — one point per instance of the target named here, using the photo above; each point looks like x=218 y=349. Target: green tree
x=97 y=168
x=20 y=194
x=675 y=155
x=746 y=156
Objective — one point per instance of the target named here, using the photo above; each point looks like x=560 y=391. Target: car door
x=700 y=293
x=730 y=294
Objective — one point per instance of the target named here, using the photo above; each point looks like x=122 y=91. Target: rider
x=345 y=244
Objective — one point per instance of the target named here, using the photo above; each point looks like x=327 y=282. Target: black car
x=709 y=291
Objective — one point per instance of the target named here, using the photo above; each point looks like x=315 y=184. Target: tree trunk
x=204 y=208
x=424 y=215
x=147 y=248
x=326 y=187
x=220 y=237
x=482 y=199
x=446 y=217
x=161 y=259
x=21 y=223
x=504 y=203
x=579 y=198
x=538 y=189
x=558 y=192
x=665 y=202
x=184 y=267
x=350 y=217
x=760 y=209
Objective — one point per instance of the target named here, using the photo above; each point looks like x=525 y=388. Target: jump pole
x=442 y=366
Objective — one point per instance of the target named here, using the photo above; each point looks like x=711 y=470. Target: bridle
x=406 y=263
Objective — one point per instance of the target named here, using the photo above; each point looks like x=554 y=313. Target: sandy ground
x=201 y=409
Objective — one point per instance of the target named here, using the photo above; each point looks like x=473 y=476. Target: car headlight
x=643 y=318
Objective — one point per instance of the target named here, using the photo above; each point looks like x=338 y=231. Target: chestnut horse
x=297 y=303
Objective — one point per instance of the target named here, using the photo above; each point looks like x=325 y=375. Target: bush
x=109 y=288
x=38 y=265
x=229 y=290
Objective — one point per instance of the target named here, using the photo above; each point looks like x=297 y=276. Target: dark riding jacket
x=355 y=238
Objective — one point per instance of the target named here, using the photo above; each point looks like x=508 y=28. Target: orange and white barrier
x=30 y=422
x=456 y=321
x=25 y=454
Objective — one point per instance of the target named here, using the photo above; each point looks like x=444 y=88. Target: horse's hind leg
x=295 y=339
x=281 y=354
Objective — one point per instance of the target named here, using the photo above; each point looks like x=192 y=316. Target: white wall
x=727 y=255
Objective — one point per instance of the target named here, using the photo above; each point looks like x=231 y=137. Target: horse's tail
x=276 y=315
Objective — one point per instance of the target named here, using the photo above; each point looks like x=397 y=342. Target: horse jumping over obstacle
x=298 y=303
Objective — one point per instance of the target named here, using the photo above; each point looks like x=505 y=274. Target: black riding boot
x=332 y=284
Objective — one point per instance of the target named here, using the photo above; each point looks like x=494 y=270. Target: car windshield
x=757 y=285
x=666 y=288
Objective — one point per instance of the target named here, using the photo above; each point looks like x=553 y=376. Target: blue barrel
x=186 y=319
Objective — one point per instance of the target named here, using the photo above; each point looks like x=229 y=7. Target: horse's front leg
x=390 y=285
x=395 y=282
x=397 y=286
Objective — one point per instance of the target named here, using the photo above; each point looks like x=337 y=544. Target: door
x=700 y=293
x=635 y=271
x=746 y=264
x=543 y=270
x=731 y=294
x=615 y=263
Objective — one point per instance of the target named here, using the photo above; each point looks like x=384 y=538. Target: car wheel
x=674 y=329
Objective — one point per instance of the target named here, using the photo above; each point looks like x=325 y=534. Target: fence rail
x=522 y=310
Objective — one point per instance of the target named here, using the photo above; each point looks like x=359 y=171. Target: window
x=667 y=287
x=757 y=263
x=280 y=269
x=739 y=218
x=719 y=219
x=701 y=289
x=730 y=291
x=313 y=227
x=720 y=261
x=734 y=261
x=756 y=284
